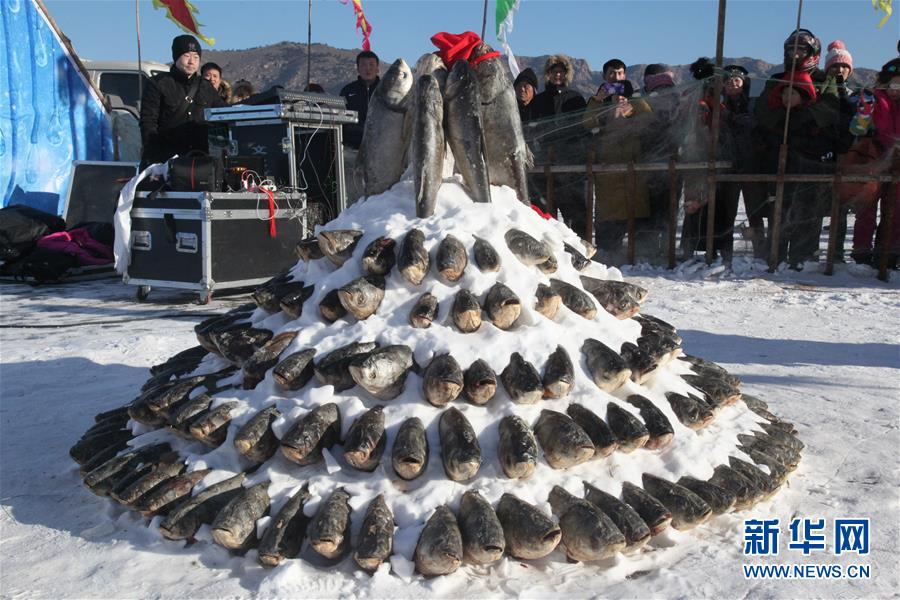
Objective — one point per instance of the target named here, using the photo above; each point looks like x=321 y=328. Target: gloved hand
x=830 y=87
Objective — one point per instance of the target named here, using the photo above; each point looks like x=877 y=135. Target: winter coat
x=886 y=119
x=166 y=128
x=738 y=137
x=358 y=95
x=813 y=136
x=527 y=112
x=618 y=141
x=555 y=100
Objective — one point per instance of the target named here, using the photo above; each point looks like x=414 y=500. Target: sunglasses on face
x=802 y=50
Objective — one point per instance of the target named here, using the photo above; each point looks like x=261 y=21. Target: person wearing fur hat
x=526 y=85
x=172 y=106
x=557 y=100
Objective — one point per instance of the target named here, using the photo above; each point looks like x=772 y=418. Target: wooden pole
x=673 y=210
x=835 y=217
x=782 y=157
x=632 y=198
x=551 y=202
x=714 y=138
x=137 y=26
x=308 y=44
x=589 y=199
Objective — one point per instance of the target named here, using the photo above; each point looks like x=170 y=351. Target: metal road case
x=208 y=241
x=300 y=139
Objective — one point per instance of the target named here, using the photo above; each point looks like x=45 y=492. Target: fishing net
x=628 y=144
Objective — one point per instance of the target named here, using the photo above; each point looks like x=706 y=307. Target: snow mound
x=694 y=451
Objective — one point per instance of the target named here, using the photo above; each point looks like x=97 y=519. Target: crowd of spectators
x=829 y=122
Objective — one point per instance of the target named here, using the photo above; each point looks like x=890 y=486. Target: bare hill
x=284 y=64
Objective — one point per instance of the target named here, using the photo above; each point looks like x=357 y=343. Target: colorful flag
x=504 y=16
x=182 y=13
x=883 y=5
x=361 y=23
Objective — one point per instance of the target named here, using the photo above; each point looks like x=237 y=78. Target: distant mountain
x=284 y=64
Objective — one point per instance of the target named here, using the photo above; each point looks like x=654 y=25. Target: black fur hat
x=702 y=68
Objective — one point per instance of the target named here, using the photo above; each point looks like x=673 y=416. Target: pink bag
x=79 y=244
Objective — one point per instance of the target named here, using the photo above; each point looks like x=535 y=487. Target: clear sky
x=638 y=31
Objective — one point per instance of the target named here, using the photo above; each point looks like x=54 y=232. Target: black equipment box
x=299 y=139
x=94 y=190
x=208 y=241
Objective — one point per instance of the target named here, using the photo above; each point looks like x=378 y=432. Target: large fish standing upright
x=379 y=163
x=465 y=130
x=428 y=144
x=506 y=154
x=429 y=159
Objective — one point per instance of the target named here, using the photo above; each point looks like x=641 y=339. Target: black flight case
x=208 y=241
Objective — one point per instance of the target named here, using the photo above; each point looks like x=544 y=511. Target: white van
x=120 y=77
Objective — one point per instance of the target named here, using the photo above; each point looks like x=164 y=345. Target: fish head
x=396 y=83
x=493 y=77
x=460 y=77
x=428 y=64
x=378 y=370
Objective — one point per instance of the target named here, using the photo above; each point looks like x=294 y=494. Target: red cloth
x=78 y=243
x=543 y=214
x=458 y=46
x=802 y=81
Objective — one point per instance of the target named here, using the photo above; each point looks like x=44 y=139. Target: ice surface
x=821 y=351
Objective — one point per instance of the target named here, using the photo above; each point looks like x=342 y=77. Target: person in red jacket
x=813 y=142
x=886 y=123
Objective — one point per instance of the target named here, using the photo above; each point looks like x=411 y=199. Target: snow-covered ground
x=822 y=351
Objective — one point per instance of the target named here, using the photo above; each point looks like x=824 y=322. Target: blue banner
x=49 y=116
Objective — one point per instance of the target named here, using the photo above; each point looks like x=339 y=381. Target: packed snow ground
x=822 y=351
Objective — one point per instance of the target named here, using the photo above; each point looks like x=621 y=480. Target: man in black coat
x=551 y=106
x=358 y=94
x=173 y=103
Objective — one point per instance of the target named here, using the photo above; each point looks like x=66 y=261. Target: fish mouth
x=356 y=457
x=356 y=373
x=327 y=546
x=270 y=560
x=551 y=537
x=369 y=564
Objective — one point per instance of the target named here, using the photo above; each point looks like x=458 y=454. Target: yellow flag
x=883 y=5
